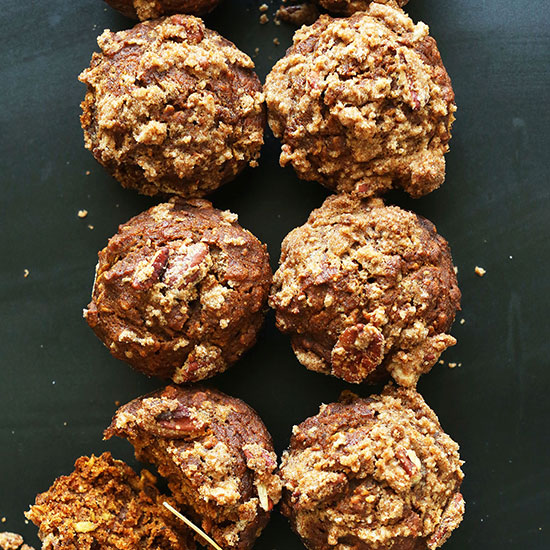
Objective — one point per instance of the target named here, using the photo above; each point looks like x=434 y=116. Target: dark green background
x=58 y=384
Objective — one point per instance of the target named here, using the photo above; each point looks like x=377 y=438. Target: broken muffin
x=105 y=505
x=216 y=454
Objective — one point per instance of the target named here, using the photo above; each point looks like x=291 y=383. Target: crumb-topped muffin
x=151 y=9
x=105 y=505
x=180 y=291
x=366 y=290
x=376 y=473
x=347 y=7
x=363 y=104
x=216 y=454
x=172 y=107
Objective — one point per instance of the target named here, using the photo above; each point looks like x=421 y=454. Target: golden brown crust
x=172 y=107
x=104 y=504
x=363 y=104
x=366 y=290
x=373 y=474
x=216 y=454
x=151 y=9
x=180 y=291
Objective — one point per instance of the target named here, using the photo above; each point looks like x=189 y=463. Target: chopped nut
x=480 y=271
x=262 y=495
x=82 y=213
x=84 y=526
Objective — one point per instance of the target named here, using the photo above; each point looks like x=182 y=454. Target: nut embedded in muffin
x=216 y=454
x=180 y=291
x=363 y=104
x=172 y=107
x=151 y=9
x=375 y=473
x=105 y=504
x=366 y=290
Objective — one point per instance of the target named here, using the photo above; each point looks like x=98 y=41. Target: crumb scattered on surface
x=117 y=403
x=26 y=273
x=82 y=213
x=263 y=19
x=462 y=321
x=452 y=365
x=88 y=172
x=90 y=226
x=276 y=41
x=263 y=8
x=480 y=271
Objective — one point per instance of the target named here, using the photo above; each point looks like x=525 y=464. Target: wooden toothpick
x=190 y=524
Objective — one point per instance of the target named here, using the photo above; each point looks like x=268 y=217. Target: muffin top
x=366 y=290
x=216 y=454
x=373 y=473
x=172 y=107
x=180 y=291
x=363 y=104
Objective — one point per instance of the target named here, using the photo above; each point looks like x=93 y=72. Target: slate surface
x=59 y=385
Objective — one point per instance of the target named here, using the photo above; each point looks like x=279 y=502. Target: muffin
x=214 y=451
x=366 y=290
x=151 y=9
x=180 y=291
x=376 y=473
x=105 y=504
x=363 y=104
x=347 y=7
x=172 y=107
x=12 y=541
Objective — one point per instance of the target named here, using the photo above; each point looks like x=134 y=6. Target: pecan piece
x=145 y=278
x=357 y=353
x=183 y=268
x=451 y=518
